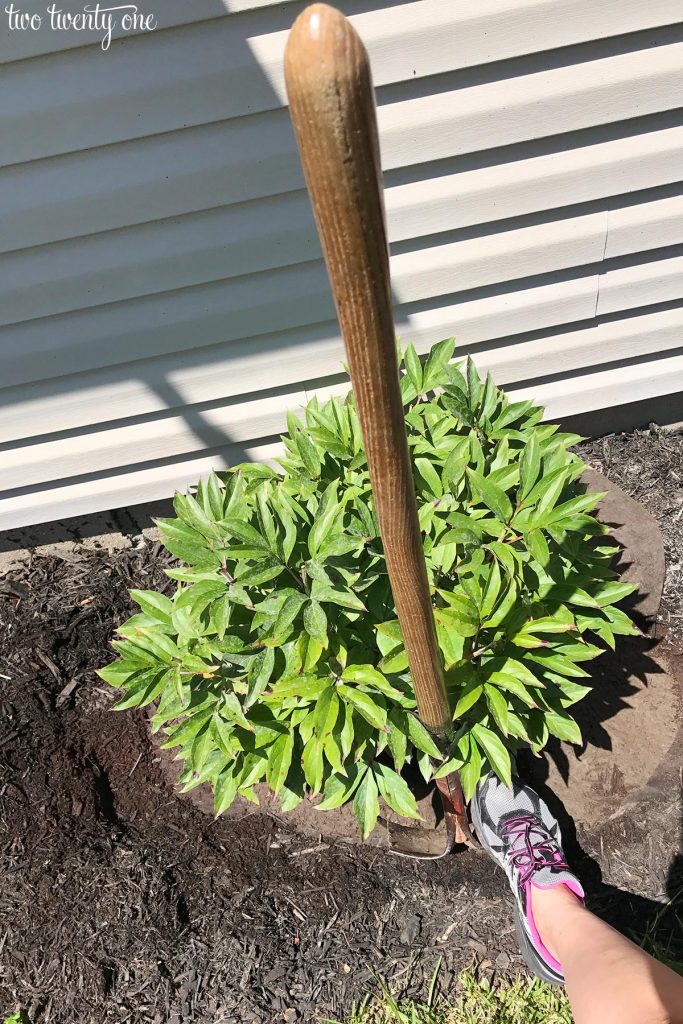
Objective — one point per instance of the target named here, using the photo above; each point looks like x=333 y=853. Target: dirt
x=119 y=902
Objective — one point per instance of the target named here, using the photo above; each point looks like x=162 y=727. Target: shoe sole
x=531 y=958
x=529 y=954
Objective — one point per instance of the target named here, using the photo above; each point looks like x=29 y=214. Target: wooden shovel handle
x=332 y=106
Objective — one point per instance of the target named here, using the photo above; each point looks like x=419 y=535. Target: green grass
x=663 y=940
x=523 y=1000
x=475 y=1001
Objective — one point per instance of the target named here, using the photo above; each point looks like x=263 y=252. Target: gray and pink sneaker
x=517 y=830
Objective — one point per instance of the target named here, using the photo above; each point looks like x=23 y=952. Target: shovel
x=332 y=106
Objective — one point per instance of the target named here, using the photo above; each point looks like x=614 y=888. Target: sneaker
x=517 y=830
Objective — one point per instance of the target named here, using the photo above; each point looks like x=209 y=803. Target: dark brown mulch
x=648 y=466
x=119 y=902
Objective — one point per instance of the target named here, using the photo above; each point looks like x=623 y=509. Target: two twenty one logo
x=93 y=18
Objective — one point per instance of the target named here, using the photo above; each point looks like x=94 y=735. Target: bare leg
x=609 y=980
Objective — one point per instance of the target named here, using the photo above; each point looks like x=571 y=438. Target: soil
x=120 y=902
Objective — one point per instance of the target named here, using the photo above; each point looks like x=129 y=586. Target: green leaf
x=452 y=644
x=300 y=686
x=513 y=667
x=365 y=705
x=574 y=507
x=548 y=624
x=338 y=790
x=279 y=761
x=495 y=750
x=221 y=611
x=538 y=547
x=224 y=791
x=456 y=403
x=468 y=697
x=397 y=739
x=225 y=736
x=213 y=505
x=563 y=726
x=491 y=591
x=258 y=675
x=146 y=687
x=326 y=711
x=307 y=452
x=201 y=748
x=187 y=544
x=461 y=613
x=489 y=399
x=324 y=523
x=569 y=593
x=470 y=772
x=154 y=604
x=550 y=659
x=312 y=763
x=498 y=707
x=333 y=752
x=191 y=512
x=395 y=791
x=493 y=497
x=413 y=368
x=548 y=497
x=265 y=516
x=366 y=804
x=364 y=674
x=506 y=603
x=244 y=532
x=119 y=672
x=514 y=686
x=420 y=737
x=506 y=555
x=159 y=646
x=434 y=374
x=549 y=483
x=333 y=595
x=430 y=476
x=529 y=466
x=453 y=470
x=473 y=384
x=233 y=710
x=315 y=622
x=288 y=613
x=187 y=730
x=610 y=593
x=346 y=730
x=266 y=569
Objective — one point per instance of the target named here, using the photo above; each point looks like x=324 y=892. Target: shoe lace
x=531 y=846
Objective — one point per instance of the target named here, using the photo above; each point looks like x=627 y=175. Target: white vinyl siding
x=162 y=297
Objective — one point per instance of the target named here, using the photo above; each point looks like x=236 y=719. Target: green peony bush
x=278 y=657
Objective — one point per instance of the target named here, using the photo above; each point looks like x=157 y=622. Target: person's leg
x=609 y=980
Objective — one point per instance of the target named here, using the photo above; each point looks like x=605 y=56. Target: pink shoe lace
x=531 y=847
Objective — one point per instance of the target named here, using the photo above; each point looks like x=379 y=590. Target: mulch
x=120 y=902
x=648 y=466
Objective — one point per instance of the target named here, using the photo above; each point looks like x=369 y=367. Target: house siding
x=162 y=297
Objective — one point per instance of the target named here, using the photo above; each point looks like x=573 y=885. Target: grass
x=476 y=1001
x=522 y=1000
x=665 y=947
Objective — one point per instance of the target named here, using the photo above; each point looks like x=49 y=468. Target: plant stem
x=299 y=580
